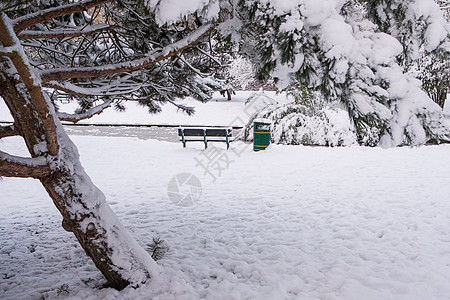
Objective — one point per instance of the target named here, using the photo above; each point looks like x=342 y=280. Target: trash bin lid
x=262 y=120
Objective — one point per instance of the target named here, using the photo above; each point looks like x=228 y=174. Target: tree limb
x=45 y=48
x=26 y=21
x=210 y=56
x=133 y=65
x=188 y=109
x=15 y=166
x=28 y=78
x=64 y=33
x=86 y=115
x=6 y=131
x=191 y=67
x=110 y=90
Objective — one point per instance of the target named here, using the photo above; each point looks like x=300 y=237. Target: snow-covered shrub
x=308 y=120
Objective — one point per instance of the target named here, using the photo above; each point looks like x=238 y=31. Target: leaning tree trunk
x=82 y=205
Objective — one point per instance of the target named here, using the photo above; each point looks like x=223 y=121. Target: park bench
x=205 y=134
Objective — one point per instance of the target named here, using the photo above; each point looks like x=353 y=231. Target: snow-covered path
x=286 y=223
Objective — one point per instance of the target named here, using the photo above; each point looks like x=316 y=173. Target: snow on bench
x=205 y=134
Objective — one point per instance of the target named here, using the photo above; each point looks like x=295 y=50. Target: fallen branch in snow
x=86 y=115
x=6 y=131
x=26 y=21
x=15 y=166
x=130 y=66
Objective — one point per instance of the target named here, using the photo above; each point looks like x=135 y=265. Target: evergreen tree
x=358 y=62
x=414 y=23
x=99 y=53
x=433 y=70
x=421 y=28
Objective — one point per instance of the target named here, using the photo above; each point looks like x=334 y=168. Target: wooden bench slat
x=197 y=134
x=218 y=132
x=191 y=131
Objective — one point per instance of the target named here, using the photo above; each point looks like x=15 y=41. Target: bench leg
x=204 y=138
x=182 y=139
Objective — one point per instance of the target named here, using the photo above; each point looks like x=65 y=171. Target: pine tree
x=99 y=53
x=416 y=24
x=358 y=62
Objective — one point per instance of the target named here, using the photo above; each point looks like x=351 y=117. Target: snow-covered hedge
x=306 y=121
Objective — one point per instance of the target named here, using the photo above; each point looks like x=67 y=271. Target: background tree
x=434 y=70
x=354 y=60
x=420 y=28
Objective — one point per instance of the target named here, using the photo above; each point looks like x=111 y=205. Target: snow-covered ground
x=290 y=222
x=287 y=223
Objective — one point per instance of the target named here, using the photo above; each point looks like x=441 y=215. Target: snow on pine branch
x=15 y=166
x=104 y=90
x=87 y=114
x=133 y=65
x=63 y=33
x=171 y=11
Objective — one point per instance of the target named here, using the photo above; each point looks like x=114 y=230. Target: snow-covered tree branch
x=14 y=166
x=122 y=86
x=130 y=66
x=85 y=115
x=28 y=20
x=6 y=131
x=64 y=33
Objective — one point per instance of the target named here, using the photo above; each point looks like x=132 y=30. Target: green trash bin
x=261 y=134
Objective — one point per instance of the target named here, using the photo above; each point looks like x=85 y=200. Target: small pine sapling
x=157 y=248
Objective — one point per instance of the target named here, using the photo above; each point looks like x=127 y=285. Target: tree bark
x=6 y=131
x=439 y=96
x=82 y=205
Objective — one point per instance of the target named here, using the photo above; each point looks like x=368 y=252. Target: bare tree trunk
x=439 y=96
x=82 y=205
x=228 y=95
